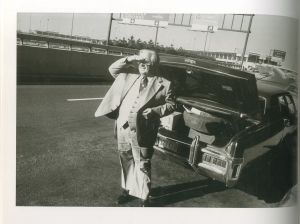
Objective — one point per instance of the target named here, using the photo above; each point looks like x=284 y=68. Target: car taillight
x=235 y=171
x=230 y=149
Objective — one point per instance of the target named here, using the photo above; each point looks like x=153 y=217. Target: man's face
x=145 y=68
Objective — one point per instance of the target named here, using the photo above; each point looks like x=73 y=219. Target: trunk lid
x=206 y=83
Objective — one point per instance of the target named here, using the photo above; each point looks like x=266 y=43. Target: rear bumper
x=172 y=156
x=209 y=164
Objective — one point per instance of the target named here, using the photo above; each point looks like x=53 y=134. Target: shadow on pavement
x=163 y=196
x=271 y=176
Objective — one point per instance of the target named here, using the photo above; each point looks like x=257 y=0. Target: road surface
x=66 y=157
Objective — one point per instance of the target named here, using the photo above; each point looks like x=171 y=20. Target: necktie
x=144 y=82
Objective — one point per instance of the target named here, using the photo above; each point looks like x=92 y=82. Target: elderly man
x=137 y=100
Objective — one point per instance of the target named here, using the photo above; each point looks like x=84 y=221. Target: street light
x=30 y=23
x=210 y=29
x=246 y=41
x=156 y=33
x=205 y=41
x=109 y=28
x=47 y=24
x=72 y=24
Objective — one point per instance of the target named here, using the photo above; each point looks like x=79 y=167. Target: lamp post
x=109 y=28
x=246 y=41
x=47 y=24
x=156 y=33
x=205 y=41
x=210 y=29
x=30 y=23
x=72 y=24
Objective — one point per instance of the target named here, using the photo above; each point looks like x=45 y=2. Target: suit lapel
x=154 y=87
x=130 y=80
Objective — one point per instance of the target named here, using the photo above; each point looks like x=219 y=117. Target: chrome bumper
x=208 y=163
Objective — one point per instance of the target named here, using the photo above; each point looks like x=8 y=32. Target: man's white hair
x=151 y=57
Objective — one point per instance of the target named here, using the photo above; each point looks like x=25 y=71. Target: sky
x=267 y=33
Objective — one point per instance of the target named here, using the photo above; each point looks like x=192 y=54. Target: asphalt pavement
x=67 y=157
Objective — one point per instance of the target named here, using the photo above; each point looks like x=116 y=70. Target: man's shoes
x=145 y=203
x=124 y=198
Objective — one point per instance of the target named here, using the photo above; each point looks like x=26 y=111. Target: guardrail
x=68 y=44
x=47 y=59
x=233 y=65
x=44 y=41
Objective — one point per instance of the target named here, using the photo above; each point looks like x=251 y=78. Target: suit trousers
x=135 y=164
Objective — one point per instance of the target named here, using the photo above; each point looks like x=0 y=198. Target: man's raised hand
x=136 y=58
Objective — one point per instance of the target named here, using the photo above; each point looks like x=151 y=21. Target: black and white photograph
x=156 y=110
x=149 y=111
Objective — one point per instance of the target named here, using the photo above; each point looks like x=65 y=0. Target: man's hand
x=136 y=58
x=147 y=113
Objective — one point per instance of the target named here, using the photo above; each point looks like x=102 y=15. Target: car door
x=288 y=113
x=268 y=134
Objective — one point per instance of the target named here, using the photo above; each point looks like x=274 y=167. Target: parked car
x=224 y=119
x=291 y=88
x=278 y=76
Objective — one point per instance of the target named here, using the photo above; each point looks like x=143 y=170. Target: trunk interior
x=215 y=128
x=209 y=106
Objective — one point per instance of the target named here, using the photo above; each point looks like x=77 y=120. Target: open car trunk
x=211 y=106
x=215 y=128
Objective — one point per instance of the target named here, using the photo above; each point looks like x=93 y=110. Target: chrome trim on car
x=206 y=69
x=159 y=135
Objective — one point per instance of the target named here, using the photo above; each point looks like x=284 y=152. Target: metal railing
x=45 y=41
x=50 y=42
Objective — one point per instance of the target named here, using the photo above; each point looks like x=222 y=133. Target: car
x=291 y=88
x=289 y=73
x=224 y=118
x=279 y=76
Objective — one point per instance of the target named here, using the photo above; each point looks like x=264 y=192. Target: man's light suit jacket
x=159 y=96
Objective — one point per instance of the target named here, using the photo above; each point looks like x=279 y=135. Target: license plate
x=167 y=145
